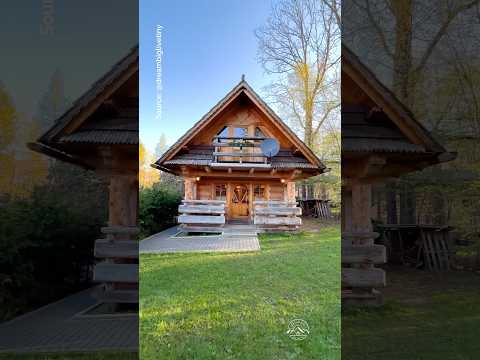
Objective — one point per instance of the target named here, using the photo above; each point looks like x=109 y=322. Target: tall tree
x=300 y=45
x=405 y=35
x=7 y=136
x=161 y=146
x=53 y=103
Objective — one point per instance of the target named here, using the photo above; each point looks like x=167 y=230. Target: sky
x=80 y=39
x=206 y=47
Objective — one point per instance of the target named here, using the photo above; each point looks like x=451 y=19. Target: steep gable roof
x=398 y=113
x=241 y=88
x=84 y=106
x=82 y=123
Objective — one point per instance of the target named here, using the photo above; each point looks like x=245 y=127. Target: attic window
x=240 y=132
x=259 y=133
x=223 y=133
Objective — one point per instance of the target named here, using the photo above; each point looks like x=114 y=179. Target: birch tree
x=300 y=46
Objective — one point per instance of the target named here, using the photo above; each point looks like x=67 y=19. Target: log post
x=190 y=188
x=290 y=191
x=360 y=275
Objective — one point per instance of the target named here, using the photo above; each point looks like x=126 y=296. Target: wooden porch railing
x=119 y=270
x=277 y=215
x=238 y=149
x=202 y=215
x=360 y=279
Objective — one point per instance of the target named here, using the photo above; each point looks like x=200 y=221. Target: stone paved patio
x=235 y=238
x=58 y=328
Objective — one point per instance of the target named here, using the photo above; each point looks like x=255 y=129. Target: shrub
x=37 y=235
x=158 y=208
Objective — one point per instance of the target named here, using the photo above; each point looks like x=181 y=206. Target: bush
x=158 y=208
x=46 y=248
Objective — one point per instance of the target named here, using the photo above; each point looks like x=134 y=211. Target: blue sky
x=207 y=45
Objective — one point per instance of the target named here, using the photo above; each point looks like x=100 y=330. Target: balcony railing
x=231 y=149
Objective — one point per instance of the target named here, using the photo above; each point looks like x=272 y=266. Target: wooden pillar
x=123 y=200
x=290 y=193
x=190 y=188
x=358 y=249
x=361 y=201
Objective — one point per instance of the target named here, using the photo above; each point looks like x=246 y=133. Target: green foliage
x=39 y=235
x=47 y=239
x=158 y=208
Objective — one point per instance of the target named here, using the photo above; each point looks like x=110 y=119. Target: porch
x=229 y=238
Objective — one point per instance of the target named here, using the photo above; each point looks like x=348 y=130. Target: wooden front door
x=239 y=201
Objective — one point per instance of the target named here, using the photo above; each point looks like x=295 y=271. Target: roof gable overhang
x=50 y=143
x=90 y=101
x=241 y=88
x=388 y=102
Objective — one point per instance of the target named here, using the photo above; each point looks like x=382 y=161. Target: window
x=259 y=192
x=221 y=192
x=259 y=133
x=223 y=133
x=240 y=132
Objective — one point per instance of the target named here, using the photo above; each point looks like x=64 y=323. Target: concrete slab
x=58 y=328
x=237 y=239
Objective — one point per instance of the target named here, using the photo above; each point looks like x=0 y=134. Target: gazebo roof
x=97 y=118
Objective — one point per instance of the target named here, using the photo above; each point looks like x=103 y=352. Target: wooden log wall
x=117 y=268
x=274 y=215
x=202 y=215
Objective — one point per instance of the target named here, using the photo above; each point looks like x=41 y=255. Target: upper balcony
x=239 y=150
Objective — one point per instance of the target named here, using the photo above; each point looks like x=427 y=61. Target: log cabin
x=99 y=132
x=381 y=140
x=229 y=174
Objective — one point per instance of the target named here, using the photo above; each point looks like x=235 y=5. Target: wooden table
x=416 y=244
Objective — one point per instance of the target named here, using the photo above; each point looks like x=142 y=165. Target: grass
x=73 y=356
x=431 y=318
x=239 y=305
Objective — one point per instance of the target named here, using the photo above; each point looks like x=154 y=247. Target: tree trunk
x=402 y=57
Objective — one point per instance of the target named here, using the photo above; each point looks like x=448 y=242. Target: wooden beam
x=108 y=272
x=363 y=278
x=278 y=211
x=116 y=249
x=366 y=254
x=201 y=209
x=229 y=170
x=266 y=220
x=251 y=171
x=201 y=219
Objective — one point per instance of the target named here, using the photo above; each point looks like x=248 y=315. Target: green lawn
x=238 y=306
x=107 y=355
x=426 y=317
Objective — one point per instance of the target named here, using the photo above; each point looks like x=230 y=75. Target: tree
x=53 y=103
x=300 y=45
x=403 y=37
x=161 y=146
x=8 y=116
x=147 y=175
